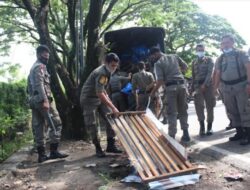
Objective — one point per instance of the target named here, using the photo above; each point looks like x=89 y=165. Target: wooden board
x=150 y=152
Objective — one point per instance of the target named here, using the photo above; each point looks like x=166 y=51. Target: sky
x=237 y=13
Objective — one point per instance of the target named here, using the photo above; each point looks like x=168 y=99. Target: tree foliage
x=186 y=25
x=14 y=112
x=56 y=23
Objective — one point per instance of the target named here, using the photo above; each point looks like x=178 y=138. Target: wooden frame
x=150 y=152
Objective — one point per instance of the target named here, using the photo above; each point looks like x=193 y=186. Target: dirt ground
x=73 y=173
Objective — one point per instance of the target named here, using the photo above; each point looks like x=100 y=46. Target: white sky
x=237 y=12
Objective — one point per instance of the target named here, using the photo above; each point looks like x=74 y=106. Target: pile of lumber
x=148 y=149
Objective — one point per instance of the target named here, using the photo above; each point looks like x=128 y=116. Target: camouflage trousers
x=142 y=102
x=91 y=120
x=177 y=106
x=202 y=99
x=237 y=103
x=39 y=123
x=119 y=101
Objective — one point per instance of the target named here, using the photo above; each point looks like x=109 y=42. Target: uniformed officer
x=168 y=72
x=115 y=87
x=94 y=98
x=232 y=73
x=202 y=69
x=142 y=84
x=40 y=98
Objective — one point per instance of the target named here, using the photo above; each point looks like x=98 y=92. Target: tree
x=186 y=25
x=55 y=24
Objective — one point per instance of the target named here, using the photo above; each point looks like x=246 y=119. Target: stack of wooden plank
x=150 y=152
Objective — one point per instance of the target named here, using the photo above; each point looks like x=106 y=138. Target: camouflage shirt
x=232 y=66
x=169 y=68
x=115 y=82
x=202 y=69
x=39 y=83
x=96 y=83
x=141 y=80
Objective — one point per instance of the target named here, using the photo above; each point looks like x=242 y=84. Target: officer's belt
x=50 y=98
x=232 y=82
x=177 y=82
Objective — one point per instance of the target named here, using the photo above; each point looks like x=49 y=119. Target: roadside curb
x=236 y=160
x=14 y=160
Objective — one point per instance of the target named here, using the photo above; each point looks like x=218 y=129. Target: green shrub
x=14 y=112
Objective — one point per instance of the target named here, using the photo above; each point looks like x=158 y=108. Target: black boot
x=54 y=153
x=230 y=126
x=165 y=120
x=238 y=135
x=42 y=157
x=185 y=137
x=246 y=137
x=111 y=147
x=209 y=128
x=202 y=128
x=98 y=149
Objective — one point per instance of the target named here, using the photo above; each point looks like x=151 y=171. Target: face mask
x=227 y=50
x=200 y=54
x=44 y=60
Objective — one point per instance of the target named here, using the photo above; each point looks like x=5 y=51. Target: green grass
x=7 y=148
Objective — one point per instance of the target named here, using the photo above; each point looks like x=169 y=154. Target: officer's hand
x=45 y=105
x=115 y=111
x=130 y=75
x=248 y=89
x=203 y=88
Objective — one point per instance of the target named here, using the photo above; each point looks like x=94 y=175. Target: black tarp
x=132 y=44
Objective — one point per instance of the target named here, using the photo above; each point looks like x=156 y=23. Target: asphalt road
x=218 y=145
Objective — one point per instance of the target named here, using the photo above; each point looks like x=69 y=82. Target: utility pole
x=79 y=42
x=81 y=61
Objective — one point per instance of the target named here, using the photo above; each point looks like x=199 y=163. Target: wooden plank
x=134 y=127
x=182 y=162
x=166 y=154
x=150 y=152
x=167 y=175
x=148 y=161
x=154 y=144
x=164 y=142
x=129 y=112
x=133 y=157
x=187 y=163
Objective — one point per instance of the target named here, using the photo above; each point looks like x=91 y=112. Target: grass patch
x=7 y=148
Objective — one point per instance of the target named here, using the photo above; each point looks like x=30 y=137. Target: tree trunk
x=94 y=23
x=67 y=103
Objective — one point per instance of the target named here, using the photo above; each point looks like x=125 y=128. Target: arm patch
x=103 y=80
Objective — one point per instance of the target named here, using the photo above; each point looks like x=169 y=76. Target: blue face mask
x=227 y=50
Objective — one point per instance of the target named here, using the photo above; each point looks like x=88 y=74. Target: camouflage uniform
x=39 y=91
x=140 y=81
x=232 y=68
x=91 y=104
x=168 y=69
x=202 y=69
x=115 y=86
